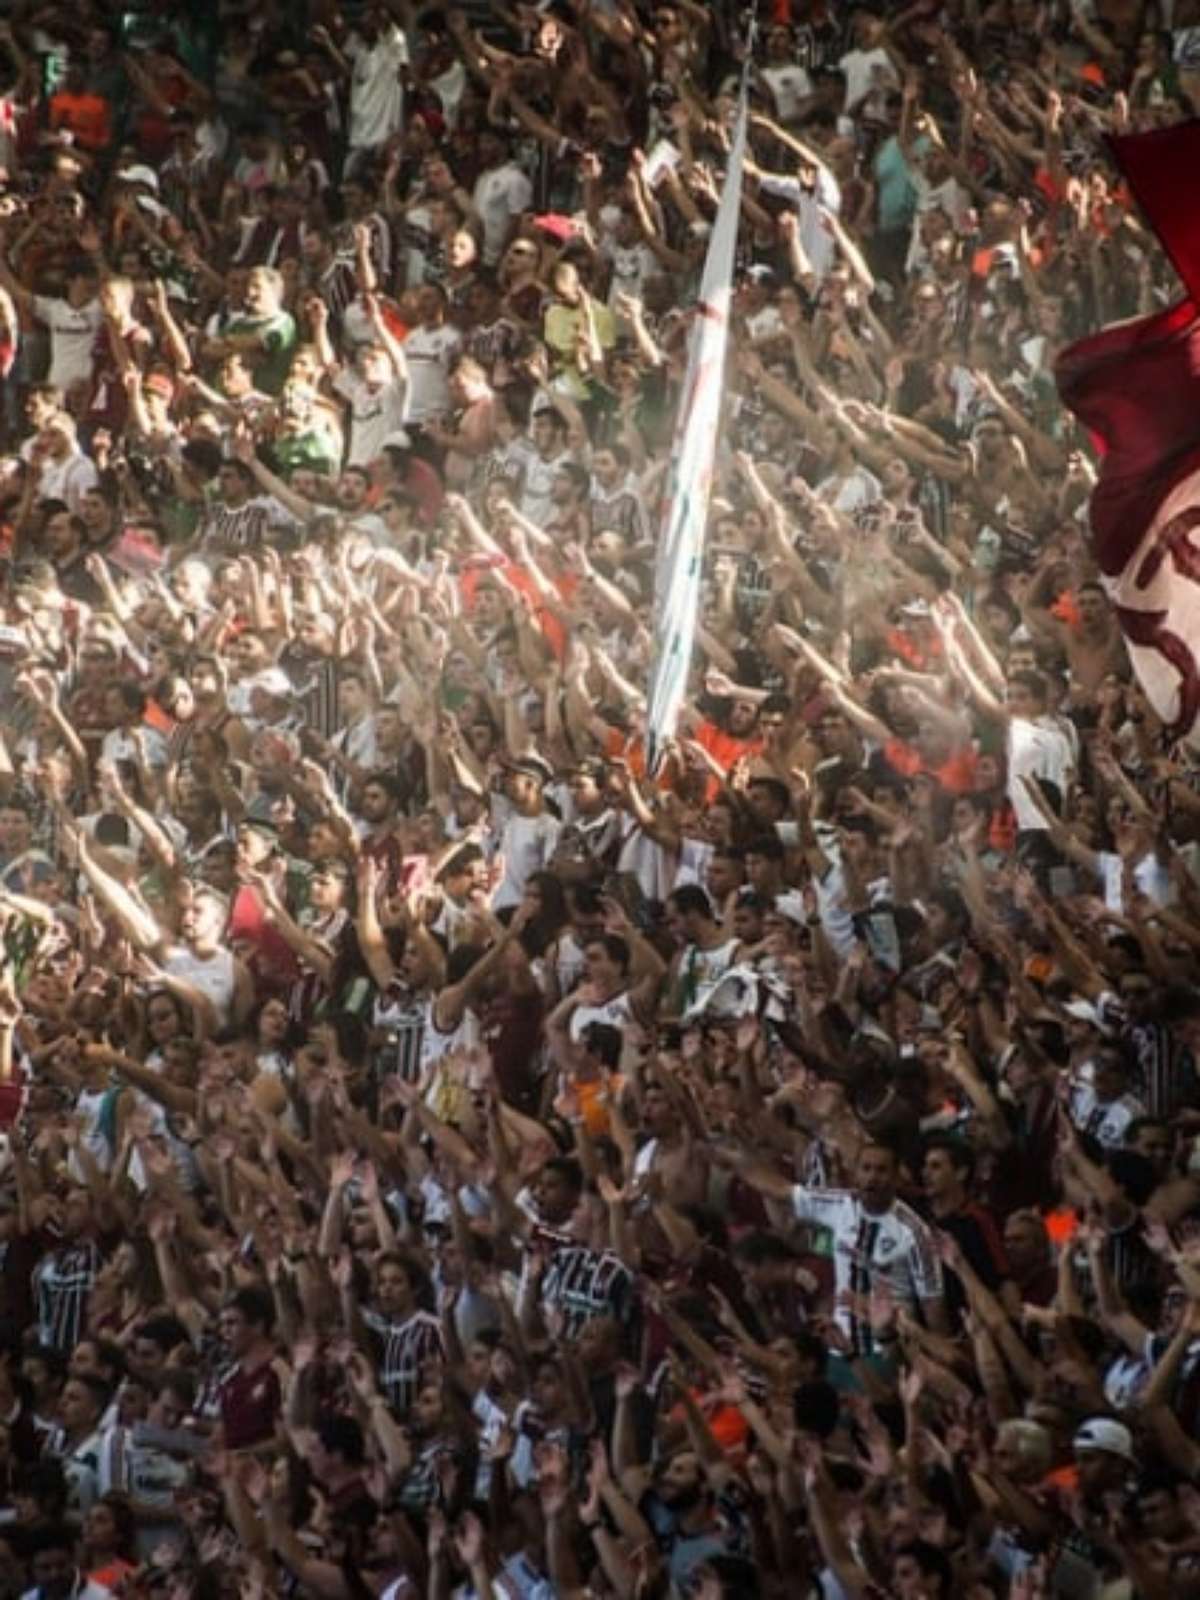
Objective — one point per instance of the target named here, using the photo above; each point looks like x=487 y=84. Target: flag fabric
x=1136 y=387
x=681 y=538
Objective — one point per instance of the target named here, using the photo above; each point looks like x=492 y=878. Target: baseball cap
x=1085 y=1011
x=591 y=767
x=557 y=225
x=1103 y=1433
x=272 y=680
x=139 y=174
x=790 y=905
x=532 y=766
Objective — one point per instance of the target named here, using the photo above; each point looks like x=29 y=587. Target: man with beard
x=377 y=820
x=56 y=1575
x=563 y=1281
x=877 y=1239
x=694 y=1511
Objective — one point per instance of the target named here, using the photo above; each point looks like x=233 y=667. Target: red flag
x=1136 y=386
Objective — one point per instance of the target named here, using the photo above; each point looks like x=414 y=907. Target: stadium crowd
x=441 y=1157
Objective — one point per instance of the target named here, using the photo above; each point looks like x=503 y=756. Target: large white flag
x=681 y=546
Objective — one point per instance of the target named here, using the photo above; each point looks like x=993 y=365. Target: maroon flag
x=1136 y=387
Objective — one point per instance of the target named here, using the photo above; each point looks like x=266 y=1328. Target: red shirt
x=250 y=1403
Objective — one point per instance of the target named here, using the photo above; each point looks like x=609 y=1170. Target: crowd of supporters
x=442 y=1157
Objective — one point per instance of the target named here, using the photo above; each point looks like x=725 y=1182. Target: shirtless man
x=1094 y=646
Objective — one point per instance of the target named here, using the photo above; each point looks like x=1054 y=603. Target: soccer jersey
x=893 y=1248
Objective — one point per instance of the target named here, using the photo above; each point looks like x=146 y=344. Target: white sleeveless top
x=214 y=977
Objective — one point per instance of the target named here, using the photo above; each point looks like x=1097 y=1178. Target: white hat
x=272 y=680
x=790 y=904
x=400 y=439
x=139 y=174
x=1085 y=1011
x=1102 y=1433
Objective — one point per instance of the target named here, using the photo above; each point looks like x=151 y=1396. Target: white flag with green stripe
x=681 y=537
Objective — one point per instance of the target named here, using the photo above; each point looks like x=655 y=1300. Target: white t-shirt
x=1149 y=874
x=500 y=195
x=215 y=976
x=374 y=414
x=527 y=844
x=536 y=503
x=376 y=93
x=632 y=264
x=69 y=479
x=864 y=70
x=852 y=493
x=430 y=353
x=614 y=1013
x=825 y=195
x=791 y=87
x=1106 y=1122
x=73 y=331
x=1036 y=749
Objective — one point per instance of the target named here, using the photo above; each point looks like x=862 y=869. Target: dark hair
x=816 y=1407
x=256 y=1305
x=690 y=899
x=603 y=1040
x=934 y=1563
x=460 y=961
x=464 y=857
x=54 y=1536
x=383 y=779
x=1140 y=1124
x=767 y=845
x=776 y=788
x=755 y=1249
x=568 y=1169
x=615 y=948
x=1033 y=682
x=100 y=1391
x=110 y=1353
x=179 y=1383
x=962 y=1157
x=126 y=1522
x=1134 y=1173
x=343 y=1436
x=952 y=904
x=580 y=478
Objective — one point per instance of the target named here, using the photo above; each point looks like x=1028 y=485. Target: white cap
x=272 y=680
x=790 y=904
x=1102 y=1433
x=1085 y=1011
x=139 y=174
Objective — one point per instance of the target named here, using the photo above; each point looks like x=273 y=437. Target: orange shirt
x=591 y=1094
x=622 y=747
x=726 y=748
x=955 y=776
x=550 y=625
x=87 y=116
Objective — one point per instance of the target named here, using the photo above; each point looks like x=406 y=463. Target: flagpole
x=693 y=451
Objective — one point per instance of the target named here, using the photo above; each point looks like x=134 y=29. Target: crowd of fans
x=442 y=1157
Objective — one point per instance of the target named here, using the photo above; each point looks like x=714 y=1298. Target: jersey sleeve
x=925 y=1264
x=820 y=1206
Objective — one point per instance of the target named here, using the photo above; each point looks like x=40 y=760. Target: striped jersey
x=893 y=1248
